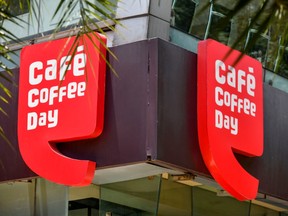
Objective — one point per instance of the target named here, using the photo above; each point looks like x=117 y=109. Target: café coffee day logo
x=61 y=98
x=230 y=115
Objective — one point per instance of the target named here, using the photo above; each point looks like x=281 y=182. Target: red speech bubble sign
x=230 y=115
x=55 y=109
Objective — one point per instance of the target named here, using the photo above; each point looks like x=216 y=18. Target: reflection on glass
x=135 y=198
x=259 y=48
x=182 y=14
x=221 y=35
x=206 y=202
x=17 y=7
x=283 y=67
x=203 y=18
x=260 y=210
x=175 y=199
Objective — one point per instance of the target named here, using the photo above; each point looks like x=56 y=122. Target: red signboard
x=61 y=98
x=230 y=115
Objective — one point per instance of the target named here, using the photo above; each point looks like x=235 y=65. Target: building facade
x=148 y=156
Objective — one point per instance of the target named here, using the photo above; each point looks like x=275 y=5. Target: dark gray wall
x=124 y=139
x=11 y=164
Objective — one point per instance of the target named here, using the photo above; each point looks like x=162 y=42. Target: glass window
x=221 y=35
x=204 y=19
x=259 y=48
x=182 y=14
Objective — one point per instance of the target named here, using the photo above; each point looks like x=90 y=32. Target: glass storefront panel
x=221 y=35
x=136 y=197
x=33 y=197
x=260 y=210
x=207 y=202
x=175 y=199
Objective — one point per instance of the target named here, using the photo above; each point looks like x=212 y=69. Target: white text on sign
x=243 y=82
x=44 y=72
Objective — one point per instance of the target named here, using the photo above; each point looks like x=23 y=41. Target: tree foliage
x=90 y=13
